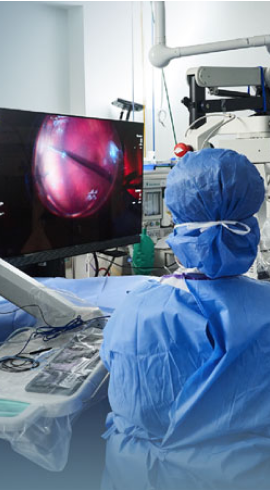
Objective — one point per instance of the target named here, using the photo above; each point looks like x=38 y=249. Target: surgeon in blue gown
x=189 y=354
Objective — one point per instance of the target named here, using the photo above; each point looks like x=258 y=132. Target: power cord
x=22 y=362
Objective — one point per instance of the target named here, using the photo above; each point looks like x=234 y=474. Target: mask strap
x=203 y=226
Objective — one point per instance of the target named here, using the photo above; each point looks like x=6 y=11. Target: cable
x=162 y=117
x=146 y=268
x=166 y=91
x=11 y=364
x=205 y=117
x=96 y=263
x=40 y=310
x=232 y=117
x=89 y=322
x=7 y=362
x=9 y=312
x=162 y=113
x=22 y=362
x=104 y=269
x=66 y=293
x=169 y=104
x=14 y=334
x=107 y=271
x=49 y=333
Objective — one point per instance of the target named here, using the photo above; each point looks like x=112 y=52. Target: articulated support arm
x=160 y=55
x=45 y=304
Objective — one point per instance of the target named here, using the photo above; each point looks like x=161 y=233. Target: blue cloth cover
x=190 y=387
x=214 y=185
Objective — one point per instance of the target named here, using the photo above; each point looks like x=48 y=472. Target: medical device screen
x=152 y=203
x=68 y=185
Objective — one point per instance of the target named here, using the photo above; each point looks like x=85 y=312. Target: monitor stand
x=51 y=268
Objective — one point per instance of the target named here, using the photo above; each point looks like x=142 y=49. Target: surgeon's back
x=189 y=355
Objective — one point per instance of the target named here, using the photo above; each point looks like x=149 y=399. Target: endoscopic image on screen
x=67 y=182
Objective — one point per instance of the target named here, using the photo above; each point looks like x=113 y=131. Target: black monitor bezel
x=48 y=255
x=72 y=251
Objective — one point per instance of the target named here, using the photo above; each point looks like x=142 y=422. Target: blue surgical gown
x=189 y=363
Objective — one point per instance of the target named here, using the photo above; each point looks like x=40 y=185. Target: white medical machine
x=213 y=121
x=156 y=217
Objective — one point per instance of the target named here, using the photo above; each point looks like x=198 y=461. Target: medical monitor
x=68 y=185
x=152 y=203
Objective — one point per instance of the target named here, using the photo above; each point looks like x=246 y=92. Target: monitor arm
x=49 y=306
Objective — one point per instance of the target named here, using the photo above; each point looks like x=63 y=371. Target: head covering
x=214 y=185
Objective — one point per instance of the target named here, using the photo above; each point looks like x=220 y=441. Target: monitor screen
x=68 y=185
x=152 y=203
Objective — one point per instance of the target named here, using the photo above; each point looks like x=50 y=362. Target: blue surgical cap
x=215 y=185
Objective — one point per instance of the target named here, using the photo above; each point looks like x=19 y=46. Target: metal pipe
x=160 y=23
x=160 y=55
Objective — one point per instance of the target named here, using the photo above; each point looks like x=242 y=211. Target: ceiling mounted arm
x=160 y=55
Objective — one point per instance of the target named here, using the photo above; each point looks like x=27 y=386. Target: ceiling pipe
x=160 y=55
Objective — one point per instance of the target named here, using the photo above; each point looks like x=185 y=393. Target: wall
x=108 y=56
x=34 y=57
x=77 y=62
